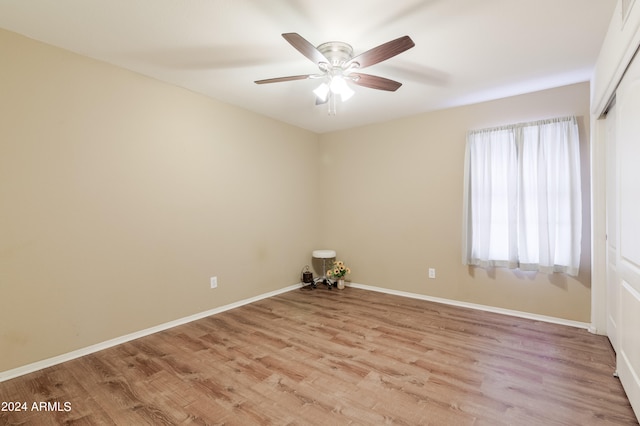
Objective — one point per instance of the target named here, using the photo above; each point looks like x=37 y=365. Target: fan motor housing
x=336 y=52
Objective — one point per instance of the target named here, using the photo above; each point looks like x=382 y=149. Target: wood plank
x=338 y=357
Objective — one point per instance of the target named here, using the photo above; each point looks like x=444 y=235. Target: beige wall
x=395 y=206
x=120 y=196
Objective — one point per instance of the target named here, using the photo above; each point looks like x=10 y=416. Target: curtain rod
x=570 y=118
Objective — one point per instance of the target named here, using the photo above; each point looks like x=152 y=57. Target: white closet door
x=613 y=283
x=628 y=239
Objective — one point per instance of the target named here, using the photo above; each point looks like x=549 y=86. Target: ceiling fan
x=338 y=67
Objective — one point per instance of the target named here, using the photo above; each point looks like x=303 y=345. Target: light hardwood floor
x=337 y=357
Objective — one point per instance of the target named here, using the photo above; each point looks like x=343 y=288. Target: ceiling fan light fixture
x=337 y=64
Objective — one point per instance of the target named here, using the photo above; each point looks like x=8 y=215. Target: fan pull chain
x=332 y=104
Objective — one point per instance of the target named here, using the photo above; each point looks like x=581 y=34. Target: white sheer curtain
x=522 y=197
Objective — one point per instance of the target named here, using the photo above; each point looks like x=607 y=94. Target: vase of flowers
x=338 y=271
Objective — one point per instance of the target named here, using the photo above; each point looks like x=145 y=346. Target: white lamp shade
x=322 y=92
x=340 y=87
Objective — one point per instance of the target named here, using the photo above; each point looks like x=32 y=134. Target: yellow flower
x=339 y=269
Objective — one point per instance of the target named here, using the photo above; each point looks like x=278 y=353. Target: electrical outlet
x=214 y=282
x=432 y=272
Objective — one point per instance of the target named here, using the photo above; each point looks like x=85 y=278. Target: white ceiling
x=466 y=51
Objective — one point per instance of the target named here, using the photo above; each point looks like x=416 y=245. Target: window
x=522 y=197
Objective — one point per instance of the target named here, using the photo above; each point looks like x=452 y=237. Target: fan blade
x=280 y=79
x=375 y=82
x=382 y=52
x=304 y=47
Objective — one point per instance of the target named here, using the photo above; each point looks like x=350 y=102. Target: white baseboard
x=49 y=362
x=493 y=309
